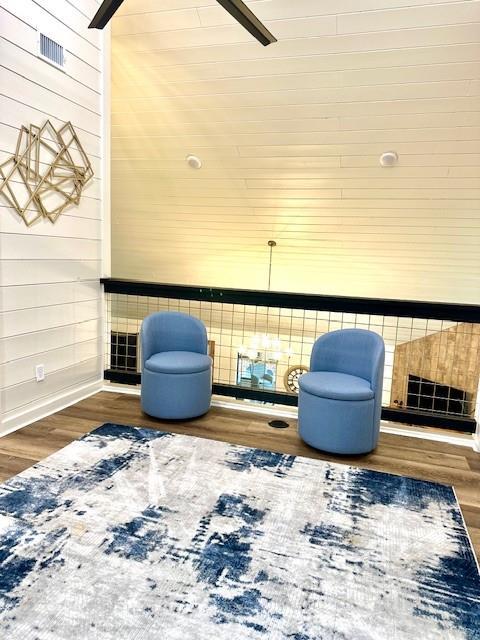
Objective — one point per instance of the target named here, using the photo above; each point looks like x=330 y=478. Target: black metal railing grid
x=259 y=350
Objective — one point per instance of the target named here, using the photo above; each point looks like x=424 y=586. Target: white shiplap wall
x=290 y=136
x=51 y=305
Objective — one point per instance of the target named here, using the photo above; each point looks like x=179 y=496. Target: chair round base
x=337 y=426
x=176 y=396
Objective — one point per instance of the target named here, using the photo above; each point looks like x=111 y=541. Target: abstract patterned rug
x=135 y=534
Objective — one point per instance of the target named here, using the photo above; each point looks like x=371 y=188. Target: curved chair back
x=172 y=331
x=344 y=425
x=357 y=352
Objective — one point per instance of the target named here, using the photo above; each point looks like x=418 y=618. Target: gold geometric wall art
x=47 y=172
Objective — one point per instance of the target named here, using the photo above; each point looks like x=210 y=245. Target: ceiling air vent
x=51 y=51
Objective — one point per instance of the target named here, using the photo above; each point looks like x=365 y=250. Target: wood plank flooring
x=424 y=459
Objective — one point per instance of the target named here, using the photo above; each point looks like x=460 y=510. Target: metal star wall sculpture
x=47 y=172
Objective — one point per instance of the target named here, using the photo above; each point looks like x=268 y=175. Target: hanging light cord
x=271 y=244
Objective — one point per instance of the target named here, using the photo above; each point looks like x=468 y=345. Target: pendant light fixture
x=236 y=8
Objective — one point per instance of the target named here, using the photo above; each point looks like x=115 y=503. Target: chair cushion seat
x=178 y=362
x=336 y=386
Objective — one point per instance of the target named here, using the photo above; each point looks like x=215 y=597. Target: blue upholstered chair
x=176 y=370
x=340 y=399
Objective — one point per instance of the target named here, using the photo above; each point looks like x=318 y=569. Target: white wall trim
x=106 y=206
x=106 y=152
x=458 y=441
x=252 y=408
x=111 y=387
x=385 y=427
x=476 y=443
x=53 y=404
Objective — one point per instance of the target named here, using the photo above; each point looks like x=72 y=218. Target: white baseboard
x=458 y=441
x=291 y=412
x=127 y=389
x=476 y=443
x=50 y=405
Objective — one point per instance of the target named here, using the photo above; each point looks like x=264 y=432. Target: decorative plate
x=293 y=373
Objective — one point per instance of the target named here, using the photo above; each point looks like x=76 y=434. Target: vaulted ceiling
x=290 y=137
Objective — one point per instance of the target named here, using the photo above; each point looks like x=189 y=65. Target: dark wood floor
x=435 y=461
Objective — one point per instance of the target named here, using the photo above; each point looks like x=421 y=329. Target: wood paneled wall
x=450 y=357
x=290 y=138
x=51 y=305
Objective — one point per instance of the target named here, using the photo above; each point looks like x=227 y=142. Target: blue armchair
x=340 y=399
x=176 y=370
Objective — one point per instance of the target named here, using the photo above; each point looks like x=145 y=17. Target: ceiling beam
x=104 y=14
x=236 y=8
x=249 y=20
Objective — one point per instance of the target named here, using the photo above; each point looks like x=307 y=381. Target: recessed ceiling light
x=193 y=162
x=389 y=159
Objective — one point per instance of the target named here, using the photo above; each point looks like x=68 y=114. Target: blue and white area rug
x=135 y=534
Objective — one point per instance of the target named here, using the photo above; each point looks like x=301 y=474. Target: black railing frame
x=343 y=304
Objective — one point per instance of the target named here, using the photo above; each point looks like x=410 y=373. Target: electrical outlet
x=40 y=372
